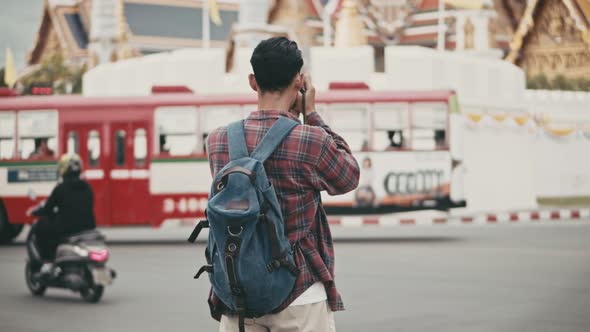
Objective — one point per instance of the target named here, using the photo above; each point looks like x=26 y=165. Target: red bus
x=145 y=160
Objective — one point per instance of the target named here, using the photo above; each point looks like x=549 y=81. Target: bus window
x=177 y=144
x=429 y=122
x=120 y=148
x=37 y=147
x=73 y=143
x=204 y=141
x=351 y=124
x=37 y=131
x=177 y=131
x=6 y=148
x=391 y=127
x=140 y=147
x=93 y=145
x=215 y=117
x=7 y=125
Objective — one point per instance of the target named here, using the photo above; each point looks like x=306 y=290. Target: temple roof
x=77 y=29
x=148 y=26
x=61 y=18
x=174 y=22
x=578 y=9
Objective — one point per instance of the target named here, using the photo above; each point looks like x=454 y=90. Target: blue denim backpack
x=249 y=259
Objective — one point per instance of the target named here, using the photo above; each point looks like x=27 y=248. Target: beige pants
x=314 y=317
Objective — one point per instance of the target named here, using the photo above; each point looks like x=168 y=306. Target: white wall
x=498 y=162
x=559 y=107
x=562 y=165
x=202 y=70
x=481 y=82
x=330 y=64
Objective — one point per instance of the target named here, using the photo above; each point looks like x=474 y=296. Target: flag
x=214 y=12
x=9 y=69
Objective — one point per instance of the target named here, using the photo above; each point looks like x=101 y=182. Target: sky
x=19 y=21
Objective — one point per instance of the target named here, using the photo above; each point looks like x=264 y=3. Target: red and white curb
x=521 y=217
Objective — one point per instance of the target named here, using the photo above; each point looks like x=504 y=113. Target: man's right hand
x=309 y=97
x=30 y=212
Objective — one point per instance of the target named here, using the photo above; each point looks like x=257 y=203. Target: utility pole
x=440 y=43
x=206 y=26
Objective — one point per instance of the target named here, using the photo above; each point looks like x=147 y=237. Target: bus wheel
x=7 y=231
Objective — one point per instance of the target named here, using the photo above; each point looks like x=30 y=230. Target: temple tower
x=105 y=31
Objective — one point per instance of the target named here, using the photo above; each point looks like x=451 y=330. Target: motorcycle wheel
x=36 y=287
x=92 y=294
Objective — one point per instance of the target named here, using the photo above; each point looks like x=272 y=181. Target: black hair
x=276 y=61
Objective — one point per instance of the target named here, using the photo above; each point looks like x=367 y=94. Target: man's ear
x=252 y=81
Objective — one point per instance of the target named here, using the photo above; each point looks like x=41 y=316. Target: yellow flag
x=214 y=12
x=466 y=4
x=9 y=69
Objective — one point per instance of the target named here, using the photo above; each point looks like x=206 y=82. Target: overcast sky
x=19 y=21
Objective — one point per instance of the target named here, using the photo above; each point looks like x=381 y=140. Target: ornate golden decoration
x=349 y=28
x=469 y=37
x=555 y=44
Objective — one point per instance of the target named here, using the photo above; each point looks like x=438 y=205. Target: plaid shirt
x=311 y=159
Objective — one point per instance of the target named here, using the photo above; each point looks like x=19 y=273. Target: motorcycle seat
x=91 y=235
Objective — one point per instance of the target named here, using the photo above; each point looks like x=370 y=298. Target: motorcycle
x=79 y=265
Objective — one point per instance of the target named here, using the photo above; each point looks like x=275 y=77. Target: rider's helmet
x=69 y=164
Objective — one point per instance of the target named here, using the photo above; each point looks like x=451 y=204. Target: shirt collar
x=270 y=114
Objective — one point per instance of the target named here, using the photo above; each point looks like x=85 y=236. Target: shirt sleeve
x=52 y=202
x=336 y=170
x=216 y=147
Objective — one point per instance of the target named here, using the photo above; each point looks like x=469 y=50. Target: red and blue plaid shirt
x=311 y=159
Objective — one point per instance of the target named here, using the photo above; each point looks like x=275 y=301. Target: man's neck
x=274 y=101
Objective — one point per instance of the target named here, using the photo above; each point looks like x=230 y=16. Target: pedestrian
x=312 y=158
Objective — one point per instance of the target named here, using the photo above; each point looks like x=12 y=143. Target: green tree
x=560 y=82
x=538 y=82
x=583 y=84
x=64 y=78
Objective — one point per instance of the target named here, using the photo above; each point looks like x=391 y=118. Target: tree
x=538 y=82
x=560 y=82
x=584 y=84
x=64 y=78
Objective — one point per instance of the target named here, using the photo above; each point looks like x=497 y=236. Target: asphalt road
x=503 y=278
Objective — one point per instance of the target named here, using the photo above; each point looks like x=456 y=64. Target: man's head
x=277 y=64
x=43 y=143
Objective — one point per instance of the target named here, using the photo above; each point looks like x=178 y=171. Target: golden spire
x=350 y=30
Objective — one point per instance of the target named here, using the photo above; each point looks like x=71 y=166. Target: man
x=311 y=159
x=68 y=210
x=42 y=150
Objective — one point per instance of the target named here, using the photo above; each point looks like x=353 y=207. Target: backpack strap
x=273 y=137
x=236 y=140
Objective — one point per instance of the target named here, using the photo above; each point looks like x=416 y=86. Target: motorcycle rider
x=68 y=210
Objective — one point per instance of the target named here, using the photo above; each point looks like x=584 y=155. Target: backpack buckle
x=273 y=265
x=229 y=230
x=202 y=224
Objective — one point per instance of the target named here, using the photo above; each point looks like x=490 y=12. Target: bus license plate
x=102 y=276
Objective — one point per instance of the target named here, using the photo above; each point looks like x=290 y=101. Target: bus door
x=129 y=173
x=87 y=140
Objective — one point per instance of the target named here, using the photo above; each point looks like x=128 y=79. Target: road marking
x=500 y=218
